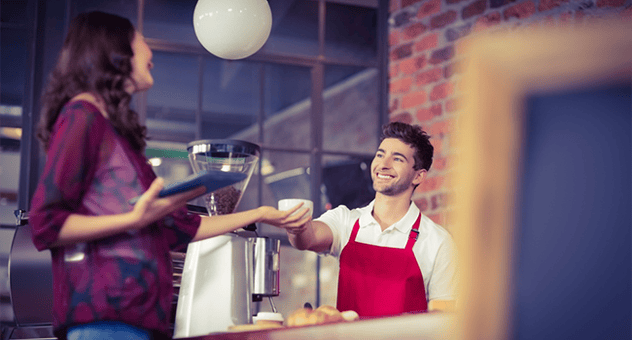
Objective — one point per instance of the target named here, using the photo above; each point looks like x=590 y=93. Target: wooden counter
x=417 y=326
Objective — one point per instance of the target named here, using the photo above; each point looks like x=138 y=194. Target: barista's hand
x=150 y=208
x=285 y=219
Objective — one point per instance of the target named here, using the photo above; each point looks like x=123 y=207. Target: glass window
x=173 y=100
x=14 y=55
x=294 y=28
x=171 y=21
x=13 y=59
x=351 y=32
x=124 y=8
x=350 y=109
x=230 y=100
x=288 y=106
x=13 y=12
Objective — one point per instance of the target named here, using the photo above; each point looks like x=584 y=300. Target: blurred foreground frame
x=502 y=72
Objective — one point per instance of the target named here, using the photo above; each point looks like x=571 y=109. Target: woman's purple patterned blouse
x=91 y=170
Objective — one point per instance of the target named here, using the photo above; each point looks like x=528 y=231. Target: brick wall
x=426 y=61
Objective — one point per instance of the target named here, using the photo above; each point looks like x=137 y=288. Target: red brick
x=441 y=55
x=422 y=204
x=401 y=85
x=406 y=3
x=442 y=91
x=487 y=21
x=404 y=117
x=412 y=65
x=437 y=143
x=393 y=70
x=427 y=42
x=429 y=8
x=546 y=5
x=522 y=10
x=439 y=163
x=610 y=3
x=473 y=9
x=566 y=17
x=443 y=19
x=413 y=31
x=402 y=52
x=393 y=105
x=393 y=38
x=394 y=6
x=414 y=99
x=627 y=13
x=430 y=184
x=452 y=105
x=440 y=129
x=438 y=201
x=428 y=113
x=429 y=76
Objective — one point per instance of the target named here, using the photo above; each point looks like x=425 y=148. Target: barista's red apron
x=380 y=281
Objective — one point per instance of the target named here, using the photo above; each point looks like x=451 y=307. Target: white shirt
x=434 y=249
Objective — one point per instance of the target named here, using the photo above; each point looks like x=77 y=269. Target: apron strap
x=354 y=231
x=414 y=233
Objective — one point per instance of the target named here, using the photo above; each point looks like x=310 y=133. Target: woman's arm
x=147 y=210
x=221 y=224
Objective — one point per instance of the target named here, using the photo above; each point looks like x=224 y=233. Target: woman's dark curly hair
x=95 y=58
x=414 y=136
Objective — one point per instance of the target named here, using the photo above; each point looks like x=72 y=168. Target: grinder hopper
x=224 y=155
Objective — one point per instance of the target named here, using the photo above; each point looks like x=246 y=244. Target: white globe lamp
x=232 y=29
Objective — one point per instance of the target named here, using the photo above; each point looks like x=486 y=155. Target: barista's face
x=392 y=168
x=141 y=65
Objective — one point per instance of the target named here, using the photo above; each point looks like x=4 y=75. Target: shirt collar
x=404 y=225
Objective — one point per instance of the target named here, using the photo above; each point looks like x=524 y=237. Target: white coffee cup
x=268 y=317
x=289 y=203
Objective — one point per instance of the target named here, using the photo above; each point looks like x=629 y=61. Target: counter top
x=413 y=326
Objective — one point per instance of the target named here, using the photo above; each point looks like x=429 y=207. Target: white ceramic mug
x=289 y=203
x=268 y=317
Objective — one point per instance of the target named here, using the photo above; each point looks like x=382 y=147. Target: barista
x=393 y=259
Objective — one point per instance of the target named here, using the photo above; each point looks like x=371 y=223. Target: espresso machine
x=223 y=276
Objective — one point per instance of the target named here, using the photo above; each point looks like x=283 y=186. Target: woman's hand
x=150 y=208
x=292 y=223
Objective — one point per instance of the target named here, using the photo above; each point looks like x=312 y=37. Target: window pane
x=14 y=55
x=169 y=160
x=172 y=101
x=170 y=21
x=351 y=32
x=13 y=12
x=13 y=58
x=231 y=99
x=124 y=8
x=288 y=106
x=294 y=28
x=351 y=109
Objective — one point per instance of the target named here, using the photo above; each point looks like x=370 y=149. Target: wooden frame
x=502 y=69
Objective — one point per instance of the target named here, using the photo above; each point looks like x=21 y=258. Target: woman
x=112 y=272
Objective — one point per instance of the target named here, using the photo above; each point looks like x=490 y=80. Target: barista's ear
x=420 y=175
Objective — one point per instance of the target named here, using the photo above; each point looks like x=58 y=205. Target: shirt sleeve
x=335 y=219
x=71 y=162
x=443 y=283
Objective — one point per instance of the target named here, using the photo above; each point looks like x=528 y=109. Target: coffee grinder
x=223 y=275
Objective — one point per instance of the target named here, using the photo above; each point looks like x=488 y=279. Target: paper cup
x=289 y=203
